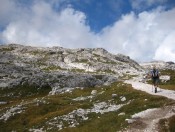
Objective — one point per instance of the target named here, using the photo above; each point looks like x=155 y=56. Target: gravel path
x=147 y=121
x=149 y=89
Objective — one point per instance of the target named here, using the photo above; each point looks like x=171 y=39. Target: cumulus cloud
x=41 y=25
x=145 y=36
x=166 y=50
x=140 y=36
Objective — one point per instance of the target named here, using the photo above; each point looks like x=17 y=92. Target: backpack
x=155 y=73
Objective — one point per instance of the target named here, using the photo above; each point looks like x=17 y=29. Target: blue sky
x=141 y=29
x=101 y=13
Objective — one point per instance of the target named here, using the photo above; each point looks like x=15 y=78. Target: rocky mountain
x=59 y=67
x=159 y=64
x=58 y=89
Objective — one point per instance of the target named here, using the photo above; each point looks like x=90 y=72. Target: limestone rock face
x=59 y=67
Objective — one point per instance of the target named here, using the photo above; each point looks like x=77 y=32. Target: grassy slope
x=171 y=83
x=36 y=114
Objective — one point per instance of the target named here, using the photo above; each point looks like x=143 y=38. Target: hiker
x=155 y=77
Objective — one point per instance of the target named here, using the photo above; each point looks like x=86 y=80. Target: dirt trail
x=147 y=121
x=149 y=89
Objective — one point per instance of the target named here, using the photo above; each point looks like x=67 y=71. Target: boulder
x=94 y=92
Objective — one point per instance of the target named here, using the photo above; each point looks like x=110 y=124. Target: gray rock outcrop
x=59 y=67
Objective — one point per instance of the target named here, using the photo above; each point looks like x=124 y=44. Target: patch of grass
x=83 y=61
x=162 y=125
x=37 y=52
x=171 y=73
x=7 y=49
x=96 y=55
x=111 y=62
x=171 y=83
x=23 y=91
x=106 y=71
x=171 y=124
x=37 y=115
x=77 y=70
x=167 y=125
x=167 y=86
x=108 y=122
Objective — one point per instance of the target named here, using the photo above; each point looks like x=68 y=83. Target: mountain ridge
x=21 y=64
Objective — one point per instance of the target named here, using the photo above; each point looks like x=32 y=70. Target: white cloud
x=43 y=26
x=166 y=50
x=146 y=36
x=140 y=36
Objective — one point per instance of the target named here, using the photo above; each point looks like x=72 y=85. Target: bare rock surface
x=59 y=67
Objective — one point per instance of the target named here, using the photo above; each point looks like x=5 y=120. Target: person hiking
x=155 y=77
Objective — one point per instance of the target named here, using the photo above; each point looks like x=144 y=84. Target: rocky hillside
x=57 y=89
x=59 y=67
x=159 y=64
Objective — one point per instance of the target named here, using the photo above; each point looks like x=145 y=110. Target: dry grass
x=36 y=115
x=167 y=125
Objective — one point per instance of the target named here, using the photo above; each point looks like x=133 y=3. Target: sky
x=141 y=29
